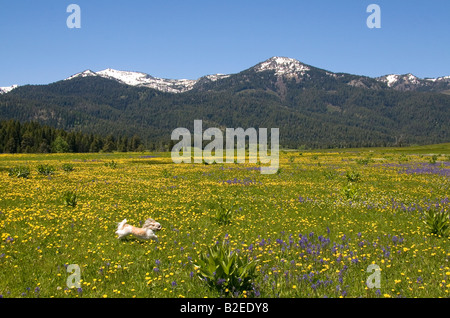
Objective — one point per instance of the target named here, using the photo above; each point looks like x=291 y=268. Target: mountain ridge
x=282 y=66
x=311 y=106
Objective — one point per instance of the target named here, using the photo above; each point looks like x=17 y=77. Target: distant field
x=312 y=229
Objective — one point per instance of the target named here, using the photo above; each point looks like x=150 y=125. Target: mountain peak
x=395 y=79
x=283 y=66
x=86 y=73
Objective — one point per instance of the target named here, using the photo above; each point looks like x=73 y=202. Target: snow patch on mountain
x=86 y=73
x=145 y=80
x=283 y=66
x=393 y=79
x=216 y=77
x=439 y=79
x=4 y=90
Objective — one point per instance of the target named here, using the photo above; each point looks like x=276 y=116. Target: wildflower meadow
x=313 y=229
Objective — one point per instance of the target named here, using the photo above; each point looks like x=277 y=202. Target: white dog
x=145 y=233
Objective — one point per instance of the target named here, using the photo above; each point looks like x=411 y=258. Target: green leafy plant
x=67 y=167
x=433 y=159
x=224 y=211
x=19 y=172
x=353 y=176
x=70 y=199
x=330 y=174
x=364 y=161
x=349 y=191
x=403 y=158
x=112 y=164
x=45 y=170
x=165 y=173
x=226 y=270
x=437 y=221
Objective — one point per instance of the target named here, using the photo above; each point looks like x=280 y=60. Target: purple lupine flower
x=395 y=239
x=220 y=281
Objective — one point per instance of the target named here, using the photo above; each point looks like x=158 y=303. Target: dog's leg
x=122 y=233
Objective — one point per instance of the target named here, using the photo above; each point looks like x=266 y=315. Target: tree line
x=32 y=137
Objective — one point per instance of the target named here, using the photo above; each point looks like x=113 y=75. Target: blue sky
x=192 y=38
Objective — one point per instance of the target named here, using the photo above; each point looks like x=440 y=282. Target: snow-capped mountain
x=408 y=82
x=86 y=73
x=142 y=79
x=283 y=66
x=145 y=80
x=4 y=90
x=439 y=79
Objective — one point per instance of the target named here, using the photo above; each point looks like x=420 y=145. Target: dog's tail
x=121 y=224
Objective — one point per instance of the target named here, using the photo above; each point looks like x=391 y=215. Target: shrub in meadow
x=19 y=172
x=226 y=270
x=223 y=211
x=364 y=161
x=349 y=191
x=353 y=176
x=70 y=199
x=112 y=164
x=437 y=221
x=433 y=159
x=45 y=170
x=67 y=167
